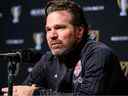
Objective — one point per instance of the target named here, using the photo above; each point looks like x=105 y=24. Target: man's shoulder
x=45 y=60
x=98 y=54
x=47 y=56
x=96 y=46
x=97 y=50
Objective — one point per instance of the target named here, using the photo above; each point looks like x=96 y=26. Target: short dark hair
x=75 y=10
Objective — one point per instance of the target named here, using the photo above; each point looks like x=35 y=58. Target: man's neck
x=71 y=58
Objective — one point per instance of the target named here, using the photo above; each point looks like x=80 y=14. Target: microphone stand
x=14 y=59
x=12 y=68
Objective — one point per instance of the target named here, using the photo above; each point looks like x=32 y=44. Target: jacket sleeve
x=37 y=76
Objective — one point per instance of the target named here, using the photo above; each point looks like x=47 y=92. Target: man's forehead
x=61 y=14
x=59 y=17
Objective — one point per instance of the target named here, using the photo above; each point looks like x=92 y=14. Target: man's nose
x=53 y=34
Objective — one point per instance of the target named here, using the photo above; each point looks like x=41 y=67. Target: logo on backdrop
x=1 y=15
x=123 y=5
x=124 y=67
x=16 y=12
x=94 y=34
x=38 y=39
x=37 y=12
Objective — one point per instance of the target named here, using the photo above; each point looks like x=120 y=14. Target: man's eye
x=47 y=29
x=60 y=27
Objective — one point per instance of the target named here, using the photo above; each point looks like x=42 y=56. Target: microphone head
x=23 y=55
x=16 y=56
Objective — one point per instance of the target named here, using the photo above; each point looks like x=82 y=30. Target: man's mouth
x=56 y=45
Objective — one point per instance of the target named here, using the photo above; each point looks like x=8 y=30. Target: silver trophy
x=16 y=12
x=38 y=40
x=123 y=7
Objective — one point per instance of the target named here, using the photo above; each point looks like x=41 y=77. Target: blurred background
x=22 y=27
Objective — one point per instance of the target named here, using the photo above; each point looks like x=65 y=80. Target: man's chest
x=59 y=78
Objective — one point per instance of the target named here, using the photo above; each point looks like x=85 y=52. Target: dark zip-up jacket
x=96 y=71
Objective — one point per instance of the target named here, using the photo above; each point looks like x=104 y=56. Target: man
x=75 y=64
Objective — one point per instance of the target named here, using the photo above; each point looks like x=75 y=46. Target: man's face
x=61 y=35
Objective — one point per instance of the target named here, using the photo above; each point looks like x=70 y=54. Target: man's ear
x=80 y=32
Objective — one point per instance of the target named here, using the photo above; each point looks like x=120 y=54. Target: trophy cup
x=123 y=7
x=38 y=40
x=16 y=12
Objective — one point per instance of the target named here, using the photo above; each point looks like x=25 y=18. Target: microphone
x=15 y=56
x=24 y=55
x=10 y=54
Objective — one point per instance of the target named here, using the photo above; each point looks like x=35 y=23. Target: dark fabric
x=100 y=74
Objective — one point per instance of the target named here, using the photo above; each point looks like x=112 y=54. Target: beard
x=59 y=52
x=62 y=50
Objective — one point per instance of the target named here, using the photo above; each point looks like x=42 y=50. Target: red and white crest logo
x=78 y=68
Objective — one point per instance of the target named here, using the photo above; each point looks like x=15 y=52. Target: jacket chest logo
x=78 y=69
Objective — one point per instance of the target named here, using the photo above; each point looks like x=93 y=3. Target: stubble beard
x=64 y=50
x=58 y=52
